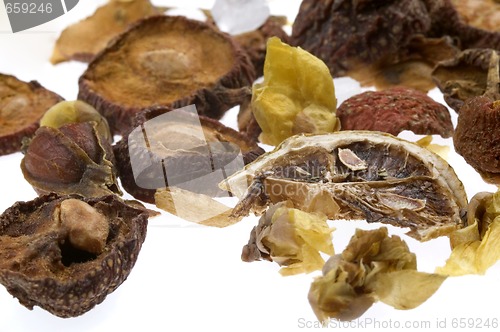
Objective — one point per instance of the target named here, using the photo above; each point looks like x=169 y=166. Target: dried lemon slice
x=356 y=175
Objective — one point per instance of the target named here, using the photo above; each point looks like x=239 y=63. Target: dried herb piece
x=22 y=104
x=480 y=14
x=441 y=150
x=166 y=61
x=71 y=159
x=373 y=267
x=476 y=247
x=291 y=238
x=83 y=40
x=181 y=146
x=297 y=95
x=394 y=110
x=356 y=175
x=476 y=137
x=463 y=77
x=66 y=254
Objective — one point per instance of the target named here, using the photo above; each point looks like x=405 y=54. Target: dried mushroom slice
x=66 y=254
x=166 y=61
x=181 y=146
x=83 y=40
x=356 y=175
x=22 y=104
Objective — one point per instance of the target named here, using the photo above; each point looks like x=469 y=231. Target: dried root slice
x=22 y=104
x=57 y=260
x=83 y=40
x=166 y=61
x=376 y=177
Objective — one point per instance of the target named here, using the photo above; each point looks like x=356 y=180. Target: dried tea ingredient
x=480 y=14
x=22 y=104
x=356 y=175
x=71 y=159
x=373 y=267
x=291 y=238
x=166 y=61
x=476 y=247
x=83 y=40
x=297 y=95
x=395 y=110
x=66 y=254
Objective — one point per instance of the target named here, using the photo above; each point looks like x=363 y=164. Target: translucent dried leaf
x=297 y=94
x=373 y=267
x=292 y=238
x=441 y=150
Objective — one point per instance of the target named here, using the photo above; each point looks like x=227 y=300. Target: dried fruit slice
x=394 y=110
x=83 y=40
x=356 y=175
x=52 y=260
x=22 y=105
x=181 y=146
x=167 y=61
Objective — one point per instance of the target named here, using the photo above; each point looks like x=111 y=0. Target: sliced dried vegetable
x=395 y=110
x=476 y=247
x=51 y=259
x=83 y=40
x=22 y=104
x=291 y=238
x=356 y=175
x=373 y=267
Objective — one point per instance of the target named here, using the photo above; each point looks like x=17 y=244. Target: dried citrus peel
x=297 y=95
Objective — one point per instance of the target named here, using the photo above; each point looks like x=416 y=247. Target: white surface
x=191 y=278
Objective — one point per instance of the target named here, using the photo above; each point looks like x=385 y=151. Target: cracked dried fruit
x=373 y=267
x=166 y=61
x=381 y=179
x=394 y=110
x=52 y=259
x=291 y=238
x=297 y=95
x=21 y=107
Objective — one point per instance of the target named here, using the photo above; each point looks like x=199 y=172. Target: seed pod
x=73 y=159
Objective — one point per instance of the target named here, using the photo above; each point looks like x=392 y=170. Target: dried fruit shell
x=22 y=105
x=166 y=61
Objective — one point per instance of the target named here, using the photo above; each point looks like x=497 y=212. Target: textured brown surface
x=166 y=61
x=40 y=268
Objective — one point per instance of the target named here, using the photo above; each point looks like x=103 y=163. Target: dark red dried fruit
x=22 y=105
x=166 y=61
x=166 y=140
x=394 y=110
x=477 y=138
x=52 y=259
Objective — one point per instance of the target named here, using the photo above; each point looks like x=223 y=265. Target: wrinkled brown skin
x=212 y=100
x=394 y=110
x=39 y=270
x=249 y=149
x=40 y=100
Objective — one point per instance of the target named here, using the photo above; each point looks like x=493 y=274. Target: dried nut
x=73 y=159
x=87 y=228
x=394 y=110
x=176 y=144
x=22 y=105
x=356 y=175
x=83 y=40
x=172 y=60
x=44 y=263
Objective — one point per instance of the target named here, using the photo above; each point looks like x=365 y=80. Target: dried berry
x=83 y=40
x=476 y=137
x=72 y=159
x=166 y=61
x=181 y=146
x=394 y=110
x=21 y=107
x=356 y=175
x=54 y=258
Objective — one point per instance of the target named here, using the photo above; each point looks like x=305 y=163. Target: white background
x=191 y=278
